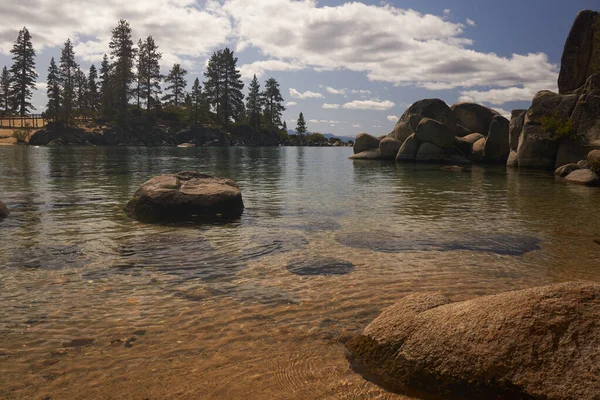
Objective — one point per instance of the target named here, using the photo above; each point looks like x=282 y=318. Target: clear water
x=260 y=307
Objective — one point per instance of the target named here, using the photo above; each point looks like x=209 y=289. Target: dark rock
x=566 y=169
x=3 y=211
x=435 y=132
x=186 y=196
x=497 y=144
x=430 y=152
x=201 y=136
x=319 y=266
x=408 y=150
x=581 y=54
x=140 y=332
x=373 y=154
x=455 y=168
x=473 y=116
x=592 y=85
x=79 y=342
x=364 y=141
x=582 y=164
x=465 y=144
x=406 y=127
x=583 y=177
x=586 y=121
x=517 y=119
x=593 y=160
x=389 y=148
x=539 y=343
x=435 y=109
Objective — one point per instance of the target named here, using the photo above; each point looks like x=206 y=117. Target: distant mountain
x=327 y=135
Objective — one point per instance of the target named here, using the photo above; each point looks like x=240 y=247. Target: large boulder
x=497 y=146
x=186 y=196
x=566 y=169
x=593 y=160
x=465 y=144
x=406 y=126
x=429 y=152
x=478 y=150
x=372 y=154
x=435 y=132
x=512 y=160
x=389 y=148
x=539 y=343
x=473 y=116
x=408 y=150
x=583 y=176
x=3 y=211
x=581 y=54
x=60 y=134
x=517 y=119
x=364 y=141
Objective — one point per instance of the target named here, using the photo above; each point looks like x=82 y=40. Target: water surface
x=259 y=307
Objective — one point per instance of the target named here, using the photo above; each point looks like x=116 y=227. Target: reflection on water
x=259 y=307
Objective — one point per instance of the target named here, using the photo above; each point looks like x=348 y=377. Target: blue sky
x=348 y=66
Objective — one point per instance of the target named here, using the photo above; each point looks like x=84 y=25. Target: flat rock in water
x=319 y=266
x=566 y=169
x=455 y=168
x=186 y=196
x=373 y=154
x=539 y=343
x=364 y=141
x=79 y=342
x=583 y=177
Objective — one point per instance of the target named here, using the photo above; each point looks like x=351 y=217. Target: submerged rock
x=186 y=196
x=455 y=168
x=319 y=266
x=3 y=210
x=373 y=154
x=539 y=343
x=583 y=177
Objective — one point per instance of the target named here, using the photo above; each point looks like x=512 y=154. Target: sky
x=350 y=67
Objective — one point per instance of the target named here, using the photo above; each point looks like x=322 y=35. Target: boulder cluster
x=584 y=172
x=431 y=131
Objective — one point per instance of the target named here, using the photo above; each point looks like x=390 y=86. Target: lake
x=258 y=307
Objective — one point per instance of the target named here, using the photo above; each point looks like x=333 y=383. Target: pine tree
x=254 y=103
x=67 y=72
x=273 y=104
x=177 y=84
x=106 y=89
x=149 y=76
x=81 y=92
x=232 y=99
x=198 y=108
x=53 y=91
x=284 y=127
x=5 y=91
x=123 y=54
x=301 y=125
x=93 y=97
x=23 y=73
x=213 y=85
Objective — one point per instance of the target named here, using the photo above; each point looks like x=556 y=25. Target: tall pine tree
x=301 y=125
x=68 y=70
x=123 y=55
x=93 y=96
x=23 y=73
x=149 y=76
x=213 y=85
x=232 y=99
x=53 y=91
x=198 y=109
x=254 y=104
x=81 y=92
x=176 y=86
x=5 y=91
x=273 y=104
x=106 y=89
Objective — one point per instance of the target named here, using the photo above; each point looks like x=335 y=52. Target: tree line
x=129 y=85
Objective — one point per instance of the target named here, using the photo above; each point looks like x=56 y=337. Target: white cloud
x=446 y=12
x=362 y=91
x=376 y=126
x=356 y=125
x=470 y=22
x=291 y=104
x=498 y=96
x=335 y=91
x=392 y=118
x=324 y=121
x=503 y=112
x=389 y=44
x=369 y=105
x=259 y=68
x=330 y=106
x=306 y=95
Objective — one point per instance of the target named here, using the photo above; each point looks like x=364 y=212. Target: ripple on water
x=385 y=242
x=319 y=266
x=46 y=257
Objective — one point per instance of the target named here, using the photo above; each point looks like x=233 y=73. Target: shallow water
x=259 y=307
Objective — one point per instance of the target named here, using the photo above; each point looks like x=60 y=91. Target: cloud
x=291 y=104
x=174 y=25
x=335 y=91
x=356 y=125
x=498 y=96
x=446 y=12
x=324 y=121
x=389 y=44
x=306 y=95
x=369 y=105
x=362 y=91
x=330 y=106
x=392 y=118
x=470 y=22
x=259 y=68
x=503 y=112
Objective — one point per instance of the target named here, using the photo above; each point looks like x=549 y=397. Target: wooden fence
x=20 y=121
